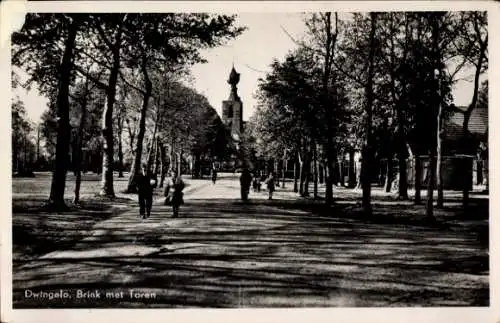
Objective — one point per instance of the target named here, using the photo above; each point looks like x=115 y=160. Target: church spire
x=232 y=108
x=234 y=79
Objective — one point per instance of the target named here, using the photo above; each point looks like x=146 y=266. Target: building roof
x=453 y=140
x=478 y=123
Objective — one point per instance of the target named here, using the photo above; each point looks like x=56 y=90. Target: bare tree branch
x=96 y=81
x=101 y=32
x=93 y=58
x=141 y=91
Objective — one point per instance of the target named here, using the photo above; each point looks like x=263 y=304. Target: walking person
x=245 y=181
x=256 y=182
x=270 y=184
x=214 y=175
x=145 y=185
x=173 y=192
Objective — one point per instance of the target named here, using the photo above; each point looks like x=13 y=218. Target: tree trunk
x=156 y=165
x=341 y=170
x=486 y=178
x=365 y=178
x=154 y=140
x=108 y=143
x=283 y=170
x=78 y=180
x=131 y=135
x=276 y=173
x=439 y=161
x=179 y=163
x=472 y=106
x=79 y=144
x=325 y=170
x=21 y=170
x=120 y=148
x=58 y=185
x=367 y=148
x=418 y=176
x=15 y=157
x=136 y=166
x=330 y=166
x=358 y=173
x=403 y=175
x=439 y=134
x=430 y=187
x=151 y=152
x=352 y=168
x=388 y=173
x=465 y=177
x=321 y=172
x=302 y=177
x=318 y=170
x=479 y=172
x=315 y=171
x=296 y=170
x=107 y=127
x=307 y=167
x=153 y=158
x=336 y=176
x=171 y=155
x=330 y=41
x=436 y=156
x=38 y=137
x=163 y=168
x=401 y=133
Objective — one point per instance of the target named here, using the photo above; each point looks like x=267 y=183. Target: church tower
x=232 y=108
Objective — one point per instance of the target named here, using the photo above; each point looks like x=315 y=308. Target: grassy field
x=36 y=230
x=39 y=186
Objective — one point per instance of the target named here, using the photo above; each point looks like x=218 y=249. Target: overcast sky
x=252 y=53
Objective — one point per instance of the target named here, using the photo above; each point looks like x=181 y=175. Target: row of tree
x=375 y=82
x=24 y=150
x=106 y=74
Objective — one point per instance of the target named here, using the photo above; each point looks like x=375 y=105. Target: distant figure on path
x=256 y=182
x=214 y=175
x=270 y=184
x=245 y=181
x=173 y=192
x=145 y=184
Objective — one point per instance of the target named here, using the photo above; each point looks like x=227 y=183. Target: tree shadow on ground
x=37 y=230
x=225 y=253
x=397 y=212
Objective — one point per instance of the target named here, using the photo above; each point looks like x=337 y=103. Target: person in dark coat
x=245 y=181
x=214 y=175
x=145 y=184
x=173 y=192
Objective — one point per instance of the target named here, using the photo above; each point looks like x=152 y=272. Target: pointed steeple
x=234 y=79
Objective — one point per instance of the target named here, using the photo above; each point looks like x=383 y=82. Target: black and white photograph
x=227 y=159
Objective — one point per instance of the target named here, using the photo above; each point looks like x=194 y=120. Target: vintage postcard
x=250 y=161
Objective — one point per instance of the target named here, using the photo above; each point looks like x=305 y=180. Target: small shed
x=454 y=168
